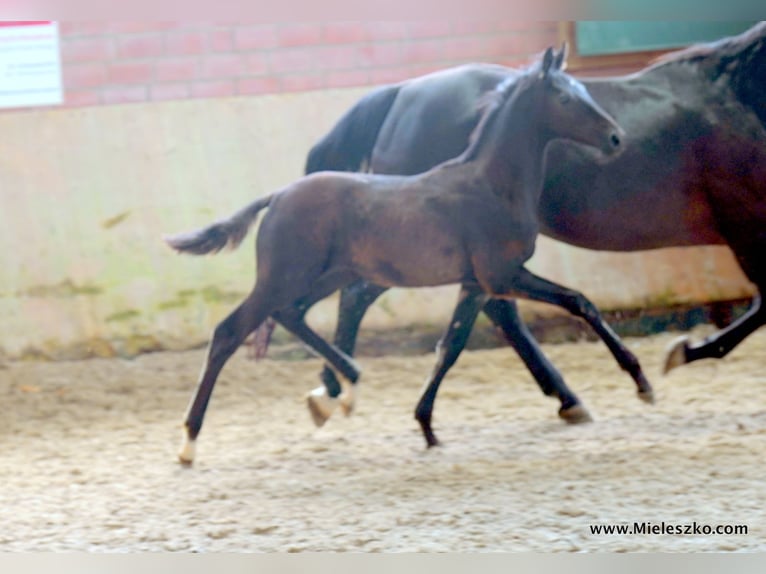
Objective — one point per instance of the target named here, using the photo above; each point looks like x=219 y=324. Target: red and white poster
x=30 y=64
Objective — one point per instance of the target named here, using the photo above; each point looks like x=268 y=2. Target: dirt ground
x=88 y=453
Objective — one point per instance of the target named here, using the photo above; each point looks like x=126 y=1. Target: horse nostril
x=615 y=140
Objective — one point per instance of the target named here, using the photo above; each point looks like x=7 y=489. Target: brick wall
x=120 y=62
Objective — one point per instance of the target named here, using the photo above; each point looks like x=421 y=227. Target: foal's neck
x=509 y=154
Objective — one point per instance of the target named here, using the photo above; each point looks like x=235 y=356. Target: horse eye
x=564 y=98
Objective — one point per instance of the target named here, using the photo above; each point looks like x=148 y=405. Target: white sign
x=30 y=64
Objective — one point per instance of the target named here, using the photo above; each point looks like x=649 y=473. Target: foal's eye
x=564 y=98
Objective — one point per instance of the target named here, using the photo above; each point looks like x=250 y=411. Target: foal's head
x=568 y=111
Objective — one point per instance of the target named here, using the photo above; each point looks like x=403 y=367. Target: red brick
x=303 y=82
x=131 y=72
x=176 y=69
x=387 y=30
x=85 y=28
x=259 y=85
x=290 y=35
x=165 y=92
x=338 y=57
x=429 y=29
x=84 y=75
x=294 y=60
x=77 y=98
x=139 y=46
x=505 y=46
x=345 y=32
x=224 y=65
x=417 y=52
x=255 y=37
x=347 y=78
x=139 y=26
x=221 y=40
x=468 y=48
x=86 y=50
x=390 y=75
x=257 y=63
x=214 y=89
x=473 y=27
x=381 y=54
x=124 y=94
x=186 y=43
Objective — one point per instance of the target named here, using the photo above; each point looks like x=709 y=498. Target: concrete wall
x=87 y=191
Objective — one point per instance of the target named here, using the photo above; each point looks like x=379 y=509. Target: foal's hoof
x=321 y=406
x=676 y=354
x=186 y=456
x=575 y=415
x=646 y=396
x=348 y=399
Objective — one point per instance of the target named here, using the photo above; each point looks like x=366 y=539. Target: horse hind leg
x=227 y=337
x=721 y=343
x=354 y=302
x=320 y=404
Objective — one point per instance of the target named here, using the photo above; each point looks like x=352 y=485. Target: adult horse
x=693 y=174
x=470 y=221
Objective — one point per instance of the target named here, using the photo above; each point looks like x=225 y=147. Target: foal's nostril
x=615 y=140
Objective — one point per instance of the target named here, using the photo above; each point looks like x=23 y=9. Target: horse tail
x=350 y=142
x=227 y=232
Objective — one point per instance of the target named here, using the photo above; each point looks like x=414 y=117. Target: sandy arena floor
x=88 y=453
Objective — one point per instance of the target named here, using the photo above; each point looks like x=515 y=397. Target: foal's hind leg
x=354 y=302
x=539 y=289
x=320 y=405
x=505 y=314
x=227 y=337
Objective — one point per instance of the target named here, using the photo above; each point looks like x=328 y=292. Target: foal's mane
x=490 y=103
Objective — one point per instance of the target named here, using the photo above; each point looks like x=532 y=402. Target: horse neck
x=509 y=152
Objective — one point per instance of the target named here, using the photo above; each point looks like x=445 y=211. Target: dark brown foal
x=470 y=221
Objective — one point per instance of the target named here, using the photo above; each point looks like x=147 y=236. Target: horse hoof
x=575 y=415
x=676 y=354
x=348 y=399
x=320 y=405
x=646 y=396
x=186 y=456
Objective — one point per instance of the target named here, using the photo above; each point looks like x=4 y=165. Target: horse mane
x=732 y=46
x=489 y=104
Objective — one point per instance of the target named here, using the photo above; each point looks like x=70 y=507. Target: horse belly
x=401 y=260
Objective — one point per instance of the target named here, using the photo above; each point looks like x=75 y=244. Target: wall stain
x=116 y=220
x=64 y=289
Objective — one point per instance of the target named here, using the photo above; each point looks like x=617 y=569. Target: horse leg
x=448 y=350
x=293 y=319
x=354 y=302
x=227 y=337
x=719 y=344
x=505 y=315
x=540 y=289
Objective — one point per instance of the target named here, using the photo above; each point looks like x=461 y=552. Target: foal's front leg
x=450 y=346
x=533 y=287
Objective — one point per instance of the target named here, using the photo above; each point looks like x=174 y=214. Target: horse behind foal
x=470 y=221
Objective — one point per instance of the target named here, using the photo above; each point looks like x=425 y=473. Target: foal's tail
x=227 y=232
x=349 y=144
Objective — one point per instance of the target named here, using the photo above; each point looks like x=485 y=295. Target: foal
x=471 y=220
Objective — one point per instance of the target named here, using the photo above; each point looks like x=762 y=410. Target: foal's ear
x=547 y=61
x=560 y=61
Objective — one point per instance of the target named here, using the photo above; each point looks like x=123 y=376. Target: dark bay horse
x=694 y=174
x=470 y=221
